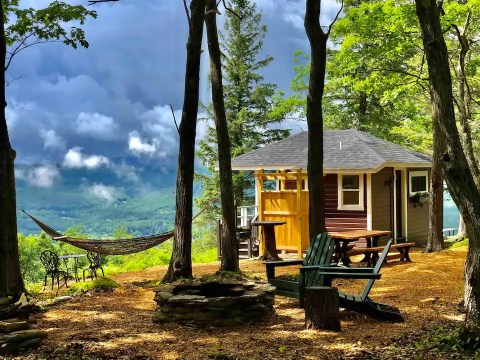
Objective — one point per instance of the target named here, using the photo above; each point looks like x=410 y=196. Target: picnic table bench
x=372 y=253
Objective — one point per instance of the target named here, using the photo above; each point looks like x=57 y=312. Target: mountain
x=141 y=199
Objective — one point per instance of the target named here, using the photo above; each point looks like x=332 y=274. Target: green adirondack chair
x=319 y=253
x=358 y=303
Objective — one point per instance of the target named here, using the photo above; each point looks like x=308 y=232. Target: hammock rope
x=106 y=247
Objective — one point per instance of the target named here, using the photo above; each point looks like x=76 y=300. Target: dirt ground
x=118 y=325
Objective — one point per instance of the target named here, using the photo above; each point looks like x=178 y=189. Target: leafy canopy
x=26 y=27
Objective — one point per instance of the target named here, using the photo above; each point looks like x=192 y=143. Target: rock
x=160 y=316
x=203 y=316
x=163 y=295
x=221 y=302
x=182 y=299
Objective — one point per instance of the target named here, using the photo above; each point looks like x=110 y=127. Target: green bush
x=450 y=338
x=30 y=247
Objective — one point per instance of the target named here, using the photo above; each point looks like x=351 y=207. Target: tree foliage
x=26 y=27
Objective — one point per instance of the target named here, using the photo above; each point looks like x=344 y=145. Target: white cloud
x=103 y=192
x=75 y=159
x=159 y=135
x=97 y=126
x=52 y=140
x=40 y=176
x=125 y=172
x=14 y=110
x=138 y=146
x=293 y=12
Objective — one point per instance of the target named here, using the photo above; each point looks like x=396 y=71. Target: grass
x=101 y=283
x=452 y=242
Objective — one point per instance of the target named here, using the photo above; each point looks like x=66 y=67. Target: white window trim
x=361 y=205
x=417 y=174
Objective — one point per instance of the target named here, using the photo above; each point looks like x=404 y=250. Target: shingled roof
x=343 y=150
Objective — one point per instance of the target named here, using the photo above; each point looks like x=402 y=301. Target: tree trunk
x=435 y=215
x=464 y=113
x=181 y=261
x=229 y=243
x=454 y=164
x=321 y=308
x=11 y=282
x=318 y=48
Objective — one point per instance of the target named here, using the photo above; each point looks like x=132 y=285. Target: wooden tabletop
x=357 y=234
x=273 y=223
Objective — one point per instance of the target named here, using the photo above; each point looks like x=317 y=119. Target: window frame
x=361 y=189
x=418 y=173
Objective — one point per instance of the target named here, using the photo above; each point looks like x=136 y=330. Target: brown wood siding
x=382 y=202
x=342 y=220
x=417 y=217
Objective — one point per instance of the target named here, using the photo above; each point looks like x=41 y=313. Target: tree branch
x=174 y=119
x=230 y=10
x=188 y=14
x=93 y=2
x=336 y=18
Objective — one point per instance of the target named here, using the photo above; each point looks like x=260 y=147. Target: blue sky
x=99 y=107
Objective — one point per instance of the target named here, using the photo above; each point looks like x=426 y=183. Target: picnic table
x=75 y=258
x=344 y=238
x=269 y=243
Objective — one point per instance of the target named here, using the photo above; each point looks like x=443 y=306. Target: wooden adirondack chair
x=319 y=253
x=358 y=303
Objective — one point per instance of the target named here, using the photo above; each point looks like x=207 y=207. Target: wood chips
x=118 y=325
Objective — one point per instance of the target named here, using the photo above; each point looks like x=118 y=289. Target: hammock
x=106 y=247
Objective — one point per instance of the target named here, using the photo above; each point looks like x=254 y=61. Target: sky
x=102 y=106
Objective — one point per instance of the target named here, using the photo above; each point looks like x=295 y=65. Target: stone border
x=253 y=304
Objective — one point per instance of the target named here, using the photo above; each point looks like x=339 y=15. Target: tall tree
x=23 y=28
x=376 y=82
x=181 y=260
x=454 y=163
x=462 y=18
x=229 y=243
x=318 y=54
x=248 y=101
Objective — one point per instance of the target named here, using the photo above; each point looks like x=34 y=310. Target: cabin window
x=418 y=182
x=350 y=192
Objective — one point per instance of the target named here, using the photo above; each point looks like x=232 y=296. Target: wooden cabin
x=370 y=184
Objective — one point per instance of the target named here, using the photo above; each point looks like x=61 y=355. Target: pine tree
x=248 y=101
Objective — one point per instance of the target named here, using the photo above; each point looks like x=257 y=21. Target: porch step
x=243 y=250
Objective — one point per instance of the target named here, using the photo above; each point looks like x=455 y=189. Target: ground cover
x=118 y=324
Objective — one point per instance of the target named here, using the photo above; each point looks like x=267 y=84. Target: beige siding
x=381 y=207
x=417 y=219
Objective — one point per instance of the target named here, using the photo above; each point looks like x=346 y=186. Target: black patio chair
x=51 y=263
x=95 y=260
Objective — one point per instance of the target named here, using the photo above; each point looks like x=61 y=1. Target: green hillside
x=142 y=207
